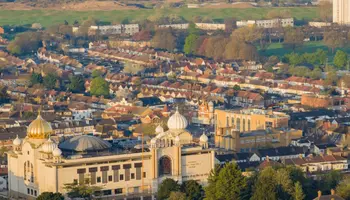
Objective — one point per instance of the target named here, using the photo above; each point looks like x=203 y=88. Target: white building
x=268 y=23
x=39 y=164
x=341 y=12
x=130 y=29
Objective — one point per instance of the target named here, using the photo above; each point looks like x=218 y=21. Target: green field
x=277 y=49
x=308 y=47
x=50 y=17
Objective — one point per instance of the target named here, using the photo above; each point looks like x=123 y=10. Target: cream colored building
x=341 y=12
x=229 y=139
x=39 y=164
x=250 y=119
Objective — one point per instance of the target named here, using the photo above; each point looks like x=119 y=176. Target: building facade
x=229 y=139
x=341 y=12
x=250 y=119
x=39 y=164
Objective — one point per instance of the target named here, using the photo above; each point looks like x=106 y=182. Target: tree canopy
x=50 y=196
x=166 y=187
x=77 y=84
x=99 y=87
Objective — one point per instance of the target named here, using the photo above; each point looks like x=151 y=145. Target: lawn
x=50 y=17
x=278 y=50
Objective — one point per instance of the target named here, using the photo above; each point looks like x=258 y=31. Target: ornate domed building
x=38 y=163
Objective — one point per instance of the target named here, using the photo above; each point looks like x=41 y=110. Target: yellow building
x=229 y=139
x=250 y=119
x=39 y=164
x=341 y=12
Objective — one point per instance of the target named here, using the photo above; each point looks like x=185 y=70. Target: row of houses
x=50 y=57
x=129 y=29
x=268 y=23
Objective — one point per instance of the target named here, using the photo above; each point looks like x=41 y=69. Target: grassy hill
x=50 y=17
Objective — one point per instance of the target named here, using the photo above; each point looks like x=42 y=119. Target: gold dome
x=39 y=128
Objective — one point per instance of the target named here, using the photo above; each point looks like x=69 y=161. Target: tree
x=265 y=187
x=143 y=35
x=99 y=87
x=50 y=80
x=131 y=68
x=177 y=196
x=248 y=34
x=340 y=59
x=230 y=182
x=322 y=56
x=325 y=11
x=298 y=192
x=210 y=190
x=215 y=47
x=192 y=190
x=330 y=180
x=50 y=196
x=331 y=77
x=84 y=190
x=36 y=78
x=191 y=39
x=334 y=39
x=316 y=73
x=293 y=38
x=343 y=189
x=77 y=84
x=85 y=26
x=4 y=97
x=24 y=43
x=96 y=73
x=236 y=87
x=166 y=187
x=164 y=39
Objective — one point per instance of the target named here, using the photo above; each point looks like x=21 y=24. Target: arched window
x=164 y=166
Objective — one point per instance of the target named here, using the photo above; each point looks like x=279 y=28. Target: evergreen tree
x=340 y=59
x=298 y=192
x=230 y=182
x=177 y=196
x=36 y=78
x=191 y=39
x=166 y=187
x=265 y=187
x=99 y=87
x=192 y=190
x=343 y=189
x=50 y=81
x=76 y=84
x=210 y=190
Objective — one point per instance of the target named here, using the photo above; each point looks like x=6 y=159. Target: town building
x=202 y=26
x=205 y=114
x=341 y=12
x=40 y=164
x=129 y=29
x=229 y=139
x=250 y=119
x=323 y=101
x=314 y=164
x=268 y=23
